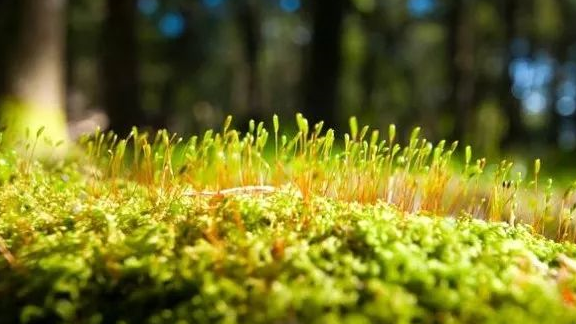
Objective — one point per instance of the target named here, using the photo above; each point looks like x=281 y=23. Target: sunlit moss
x=224 y=228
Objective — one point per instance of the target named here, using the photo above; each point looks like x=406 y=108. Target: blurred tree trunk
x=71 y=58
x=120 y=67
x=372 y=25
x=185 y=55
x=249 y=24
x=516 y=130
x=35 y=81
x=8 y=25
x=369 y=76
x=461 y=51
x=560 y=50
x=323 y=70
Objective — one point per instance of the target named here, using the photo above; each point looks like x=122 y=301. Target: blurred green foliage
x=496 y=74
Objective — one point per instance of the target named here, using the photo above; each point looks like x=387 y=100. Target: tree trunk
x=512 y=108
x=560 y=51
x=321 y=93
x=120 y=67
x=35 y=80
x=461 y=47
x=8 y=30
x=372 y=25
x=249 y=24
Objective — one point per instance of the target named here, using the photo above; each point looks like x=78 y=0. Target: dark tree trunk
x=560 y=51
x=185 y=55
x=249 y=23
x=569 y=38
x=369 y=71
x=369 y=74
x=120 y=67
x=512 y=108
x=323 y=70
x=8 y=31
x=71 y=57
x=461 y=51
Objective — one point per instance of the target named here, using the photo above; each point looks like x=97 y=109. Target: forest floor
x=168 y=237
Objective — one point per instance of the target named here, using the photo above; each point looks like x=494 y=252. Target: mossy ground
x=368 y=235
x=102 y=258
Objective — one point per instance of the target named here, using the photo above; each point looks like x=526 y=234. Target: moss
x=139 y=232
x=88 y=258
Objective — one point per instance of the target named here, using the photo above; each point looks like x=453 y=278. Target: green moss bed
x=135 y=231
x=71 y=254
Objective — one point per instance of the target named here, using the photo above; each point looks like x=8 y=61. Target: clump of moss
x=140 y=230
x=266 y=258
x=366 y=167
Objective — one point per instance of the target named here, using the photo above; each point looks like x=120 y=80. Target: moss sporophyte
x=310 y=227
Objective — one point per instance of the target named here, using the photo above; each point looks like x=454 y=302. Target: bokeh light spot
x=421 y=8
x=521 y=72
x=171 y=25
x=567 y=89
x=566 y=106
x=289 y=5
x=520 y=92
x=535 y=103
